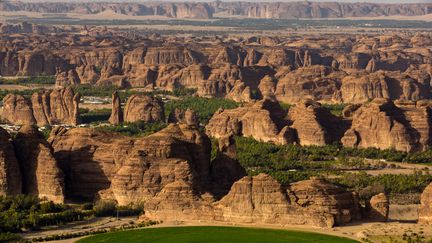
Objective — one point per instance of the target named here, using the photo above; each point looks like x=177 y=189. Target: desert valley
x=290 y=117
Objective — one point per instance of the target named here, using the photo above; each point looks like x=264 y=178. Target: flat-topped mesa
x=403 y=126
x=262 y=120
x=41 y=175
x=144 y=108
x=57 y=106
x=261 y=199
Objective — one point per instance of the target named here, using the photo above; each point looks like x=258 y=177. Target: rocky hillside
x=328 y=68
x=281 y=10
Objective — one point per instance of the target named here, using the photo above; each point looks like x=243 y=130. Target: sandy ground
x=402 y=220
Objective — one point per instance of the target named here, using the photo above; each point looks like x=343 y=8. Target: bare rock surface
x=58 y=106
x=10 y=172
x=41 y=175
x=143 y=108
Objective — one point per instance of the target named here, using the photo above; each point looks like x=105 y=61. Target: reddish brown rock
x=314 y=125
x=379 y=207
x=402 y=126
x=10 y=173
x=263 y=120
x=143 y=108
x=41 y=174
x=116 y=112
x=58 y=106
x=261 y=199
x=188 y=117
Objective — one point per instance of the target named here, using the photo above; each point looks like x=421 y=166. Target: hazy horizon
x=348 y=1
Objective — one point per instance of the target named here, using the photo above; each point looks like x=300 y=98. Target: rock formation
x=261 y=199
x=425 y=210
x=263 y=120
x=379 y=207
x=58 y=106
x=402 y=126
x=314 y=125
x=41 y=175
x=116 y=112
x=187 y=116
x=10 y=173
x=143 y=108
x=204 y=10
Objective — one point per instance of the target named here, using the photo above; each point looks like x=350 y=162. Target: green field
x=212 y=234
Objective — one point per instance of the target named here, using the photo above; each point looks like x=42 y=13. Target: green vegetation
x=98 y=115
x=391 y=183
x=213 y=234
x=335 y=109
x=29 y=80
x=139 y=128
x=28 y=212
x=24 y=212
x=291 y=163
x=204 y=107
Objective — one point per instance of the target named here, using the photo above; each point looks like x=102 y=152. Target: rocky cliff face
x=261 y=199
x=263 y=120
x=58 y=106
x=171 y=172
x=403 y=126
x=41 y=175
x=314 y=125
x=99 y=164
x=307 y=123
x=10 y=173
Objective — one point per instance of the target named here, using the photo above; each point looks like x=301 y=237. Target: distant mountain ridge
x=207 y=10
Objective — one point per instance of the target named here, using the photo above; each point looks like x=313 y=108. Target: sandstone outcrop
x=187 y=116
x=349 y=69
x=116 y=112
x=425 y=210
x=106 y=165
x=379 y=206
x=41 y=175
x=10 y=173
x=314 y=125
x=58 y=106
x=402 y=126
x=261 y=199
x=263 y=120
x=143 y=108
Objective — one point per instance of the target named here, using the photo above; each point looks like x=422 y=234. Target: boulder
x=379 y=206
x=143 y=108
